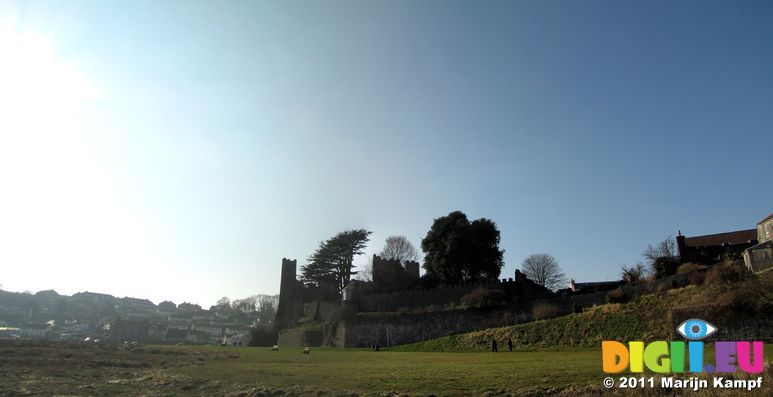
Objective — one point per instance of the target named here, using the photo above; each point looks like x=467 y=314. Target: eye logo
x=695 y=329
x=679 y=356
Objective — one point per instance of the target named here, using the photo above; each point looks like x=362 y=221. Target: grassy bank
x=639 y=320
x=644 y=318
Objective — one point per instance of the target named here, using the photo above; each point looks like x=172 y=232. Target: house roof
x=597 y=284
x=767 y=218
x=737 y=237
x=87 y=294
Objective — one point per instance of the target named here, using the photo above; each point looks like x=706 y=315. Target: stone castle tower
x=290 y=300
x=391 y=275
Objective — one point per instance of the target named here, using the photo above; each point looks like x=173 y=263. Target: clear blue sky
x=179 y=150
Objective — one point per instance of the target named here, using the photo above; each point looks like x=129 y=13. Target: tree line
x=456 y=250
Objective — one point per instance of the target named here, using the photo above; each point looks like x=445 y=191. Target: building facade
x=760 y=257
x=713 y=248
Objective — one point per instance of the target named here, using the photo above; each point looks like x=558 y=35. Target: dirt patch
x=75 y=368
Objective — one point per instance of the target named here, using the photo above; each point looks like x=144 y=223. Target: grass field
x=560 y=356
x=49 y=368
x=366 y=371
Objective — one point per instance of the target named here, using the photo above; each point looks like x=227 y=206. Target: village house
x=129 y=330
x=592 y=287
x=136 y=303
x=36 y=331
x=176 y=335
x=95 y=297
x=188 y=307
x=157 y=331
x=711 y=249
x=167 y=307
x=760 y=257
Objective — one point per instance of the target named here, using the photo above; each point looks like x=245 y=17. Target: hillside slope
x=729 y=294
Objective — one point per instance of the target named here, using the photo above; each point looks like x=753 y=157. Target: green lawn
x=366 y=371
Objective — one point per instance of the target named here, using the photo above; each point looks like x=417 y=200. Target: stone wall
x=300 y=337
x=393 y=328
x=392 y=275
x=413 y=299
x=445 y=297
x=381 y=321
x=387 y=329
x=566 y=304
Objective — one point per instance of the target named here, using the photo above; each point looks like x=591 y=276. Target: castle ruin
x=393 y=308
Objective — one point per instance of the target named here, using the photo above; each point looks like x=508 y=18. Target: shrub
x=508 y=319
x=697 y=278
x=688 y=267
x=635 y=274
x=484 y=298
x=617 y=296
x=576 y=308
x=726 y=273
x=542 y=311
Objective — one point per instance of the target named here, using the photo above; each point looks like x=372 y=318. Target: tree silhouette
x=457 y=250
x=544 y=270
x=400 y=248
x=333 y=261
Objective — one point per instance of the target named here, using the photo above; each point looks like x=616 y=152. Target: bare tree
x=634 y=274
x=544 y=270
x=665 y=249
x=400 y=248
x=366 y=274
x=224 y=301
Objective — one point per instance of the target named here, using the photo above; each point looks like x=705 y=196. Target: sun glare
x=36 y=85
x=60 y=207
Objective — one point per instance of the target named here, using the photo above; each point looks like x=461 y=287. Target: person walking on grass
x=493 y=345
x=510 y=345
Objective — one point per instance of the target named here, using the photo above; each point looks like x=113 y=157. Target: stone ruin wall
x=439 y=296
x=379 y=323
x=413 y=299
x=386 y=329
x=395 y=328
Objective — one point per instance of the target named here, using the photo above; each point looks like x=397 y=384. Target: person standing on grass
x=510 y=345
x=493 y=345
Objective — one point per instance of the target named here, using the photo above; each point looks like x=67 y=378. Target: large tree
x=400 y=248
x=457 y=250
x=544 y=270
x=333 y=261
